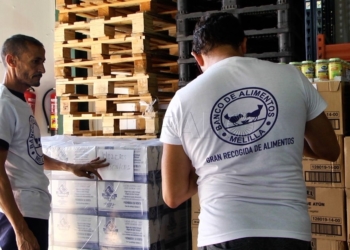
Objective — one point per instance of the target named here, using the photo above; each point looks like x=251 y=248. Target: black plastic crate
x=257 y=43
x=188 y=71
x=188 y=6
x=259 y=18
x=185 y=49
x=263 y=43
x=247 y=3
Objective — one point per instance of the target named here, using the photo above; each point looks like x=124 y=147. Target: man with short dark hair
x=237 y=133
x=24 y=196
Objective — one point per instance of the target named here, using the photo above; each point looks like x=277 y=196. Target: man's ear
x=199 y=58
x=11 y=60
x=244 y=46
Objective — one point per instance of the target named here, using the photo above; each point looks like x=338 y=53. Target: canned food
x=296 y=64
x=334 y=68
x=308 y=68
x=322 y=69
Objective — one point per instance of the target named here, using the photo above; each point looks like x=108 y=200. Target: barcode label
x=326 y=229
x=195 y=222
x=322 y=177
x=335 y=123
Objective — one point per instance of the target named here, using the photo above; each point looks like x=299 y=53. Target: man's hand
x=26 y=240
x=88 y=169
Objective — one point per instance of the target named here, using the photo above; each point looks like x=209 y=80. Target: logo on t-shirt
x=34 y=142
x=244 y=116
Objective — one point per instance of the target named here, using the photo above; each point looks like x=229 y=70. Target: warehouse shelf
x=326 y=51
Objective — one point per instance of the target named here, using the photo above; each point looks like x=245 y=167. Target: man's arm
x=81 y=170
x=320 y=140
x=179 y=180
x=24 y=237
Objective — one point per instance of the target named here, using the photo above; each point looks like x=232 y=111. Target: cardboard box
x=77 y=231
x=195 y=210
x=129 y=200
x=77 y=154
x=319 y=244
x=130 y=107
x=132 y=124
x=347 y=161
x=194 y=238
x=146 y=161
x=119 y=233
x=327 y=213
x=321 y=173
x=66 y=248
x=336 y=94
x=348 y=212
x=125 y=90
x=74 y=197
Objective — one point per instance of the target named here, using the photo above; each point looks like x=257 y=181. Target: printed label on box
x=129 y=200
x=76 y=197
x=119 y=232
x=121 y=164
x=78 y=231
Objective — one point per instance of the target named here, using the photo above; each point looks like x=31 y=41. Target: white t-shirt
x=242 y=124
x=25 y=160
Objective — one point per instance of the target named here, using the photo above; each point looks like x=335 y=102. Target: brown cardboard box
x=327 y=213
x=194 y=238
x=318 y=244
x=348 y=211
x=321 y=173
x=335 y=93
x=195 y=209
x=347 y=161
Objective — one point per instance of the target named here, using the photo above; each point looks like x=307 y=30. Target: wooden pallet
x=69 y=104
x=122 y=45
x=92 y=9
x=137 y=84
x=134 y=64
x=125 y=124
x=144 y=22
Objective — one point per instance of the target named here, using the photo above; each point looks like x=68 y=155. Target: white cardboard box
x=129 y=200
x=74 y=197
x=132 y=124
x=128 y=107
x=119 y=233
x=76 y=154
x=77 y=231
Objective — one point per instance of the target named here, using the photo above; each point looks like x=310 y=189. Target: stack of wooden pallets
x=129 y=64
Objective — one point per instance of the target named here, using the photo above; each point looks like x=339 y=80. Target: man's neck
x=218 y=54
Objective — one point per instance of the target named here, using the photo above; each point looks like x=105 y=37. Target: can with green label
x=334 y=68
x=322 y=69
x=308 y=68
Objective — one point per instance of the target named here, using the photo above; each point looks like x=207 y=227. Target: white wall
x=34 y=18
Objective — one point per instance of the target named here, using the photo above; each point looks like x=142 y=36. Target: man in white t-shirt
x=237 y=133
x=24 y=196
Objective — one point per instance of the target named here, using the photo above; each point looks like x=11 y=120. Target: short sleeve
x=314 y=101
x=170 y=129
x=7 y=121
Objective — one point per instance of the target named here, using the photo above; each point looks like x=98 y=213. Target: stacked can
x=324 y=69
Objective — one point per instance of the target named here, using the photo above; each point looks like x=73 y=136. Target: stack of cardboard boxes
x=125 y=210
x=326 y=181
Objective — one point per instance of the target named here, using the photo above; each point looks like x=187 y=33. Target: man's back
x=242 y=125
